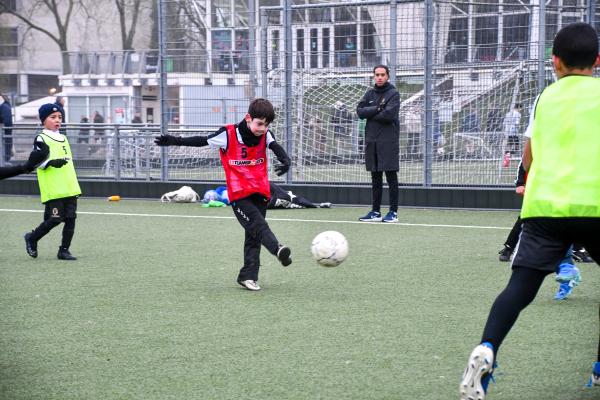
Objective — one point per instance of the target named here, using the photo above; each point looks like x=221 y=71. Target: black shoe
x=505 y=253
x=64 y=254
x=30 y=246
x=283 y=255
x=581 y=255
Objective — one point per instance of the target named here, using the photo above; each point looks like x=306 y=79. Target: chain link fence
x=467 y=72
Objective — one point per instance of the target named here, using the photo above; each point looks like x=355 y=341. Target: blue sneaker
x=372 y=216
x=567 y=272
x=565 y=288
x=478 y=373
x=392 y=216
x=595 y=378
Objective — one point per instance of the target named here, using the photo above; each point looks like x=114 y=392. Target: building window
x=9 y=43
x=9 y=5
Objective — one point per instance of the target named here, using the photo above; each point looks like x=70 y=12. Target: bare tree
x=62 y=17
x=128 y=8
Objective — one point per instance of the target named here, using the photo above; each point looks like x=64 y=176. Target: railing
x=323 y=152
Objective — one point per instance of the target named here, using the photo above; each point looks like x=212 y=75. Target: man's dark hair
x=261 y=108
x=387 y=70
x=576 y=45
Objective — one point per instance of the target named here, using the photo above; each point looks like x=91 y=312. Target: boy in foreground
x=561 y=204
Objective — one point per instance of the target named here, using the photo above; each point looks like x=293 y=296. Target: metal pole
x=287 y=22
x=265 y=49
x=393 y=40
x=428 y=156
x=117 y=156
x=591 y=13
x=2 y=144
x=252 y=42
x=224 y=108
x=542 y=46
x=162 y=62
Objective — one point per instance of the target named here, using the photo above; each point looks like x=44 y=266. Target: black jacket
x=6 y=117
x=380 y=107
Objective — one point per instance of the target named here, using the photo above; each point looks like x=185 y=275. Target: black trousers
x=57 y=211
x=513 y=236
x=8 y=144
x=543 y=243
x=377 y=189
x=250 y=213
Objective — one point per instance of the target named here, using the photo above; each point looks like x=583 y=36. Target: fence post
x=287 y=20
x=162 y=61
x=591 y=13
x=2 y=144
x=117 y=155
x=393 y=62
x=265 y=49
x=542 y=46
x=428 y=89
x=252 y=44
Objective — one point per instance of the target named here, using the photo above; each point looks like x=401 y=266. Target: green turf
x=151 y=310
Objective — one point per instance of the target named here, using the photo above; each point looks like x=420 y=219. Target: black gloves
x=282 y=169
x=166 y=140
x=57 y=163
x=36 y=157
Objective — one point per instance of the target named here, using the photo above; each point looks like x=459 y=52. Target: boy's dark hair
x=576 y=45
x=261 y=108
x=387 y=70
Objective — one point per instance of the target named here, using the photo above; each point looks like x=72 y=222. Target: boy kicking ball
x=243 y=150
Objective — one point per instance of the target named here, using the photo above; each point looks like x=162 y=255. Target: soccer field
x=151 y=309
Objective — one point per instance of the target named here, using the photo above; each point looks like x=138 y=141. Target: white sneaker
x=477 y=374
x=250 y=284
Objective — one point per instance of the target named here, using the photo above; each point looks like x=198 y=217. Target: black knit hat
x=48 y=109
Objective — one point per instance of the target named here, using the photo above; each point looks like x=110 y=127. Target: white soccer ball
x=329 y=248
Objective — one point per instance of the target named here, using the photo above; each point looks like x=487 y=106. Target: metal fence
x=467 y=72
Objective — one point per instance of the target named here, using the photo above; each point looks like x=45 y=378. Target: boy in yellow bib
x=562 y=200
x=58 y=183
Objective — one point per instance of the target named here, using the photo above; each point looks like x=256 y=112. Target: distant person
x=471 y=124
x=84 y=130
x=511 y=123
x=341 y=121
x=137 y=118
x=58 y=183
x=97 y=118
x=61 y=101
x=280 y=198
x=562 y=201
x=380 y=107
x=7 y=120
x=413 y=123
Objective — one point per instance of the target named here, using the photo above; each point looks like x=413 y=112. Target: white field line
x=9 y=210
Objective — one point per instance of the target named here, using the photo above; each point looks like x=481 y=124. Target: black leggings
x=377 y=184
x=522 y=288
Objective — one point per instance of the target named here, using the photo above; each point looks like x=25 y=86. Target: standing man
x=562 y=200
x=7 y=120
x=380 y=107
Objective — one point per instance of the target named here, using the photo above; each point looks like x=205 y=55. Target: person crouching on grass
x=58 y=183
x=242 y=148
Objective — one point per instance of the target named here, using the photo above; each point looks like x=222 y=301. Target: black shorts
x=544 y=241
x=65 y=208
